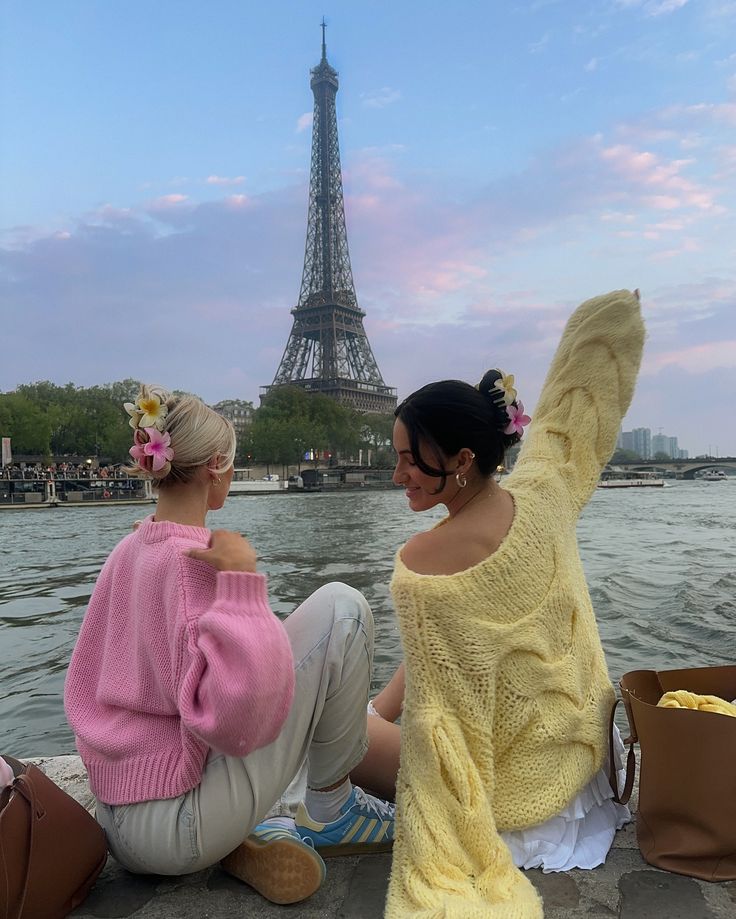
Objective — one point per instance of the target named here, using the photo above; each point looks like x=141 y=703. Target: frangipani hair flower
x=135 y=414
x=506 y=384
x=136 y=451
x=158 y=447
x=153 y=408
x=149 y=409
x=517 y=419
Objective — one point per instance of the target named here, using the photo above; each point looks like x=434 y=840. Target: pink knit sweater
x=173 y=658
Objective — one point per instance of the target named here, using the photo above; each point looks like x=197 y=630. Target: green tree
x=291 y=422
x=83 y=420
x=25 y=424
x=376 y=435
x=341 y=425
x=624 y=456
x=282 y=441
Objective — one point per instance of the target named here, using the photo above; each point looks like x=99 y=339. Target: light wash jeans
x=323 y=738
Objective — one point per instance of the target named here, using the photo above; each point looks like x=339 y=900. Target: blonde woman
x=194 y=706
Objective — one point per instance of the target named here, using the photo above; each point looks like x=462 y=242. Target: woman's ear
x=465 y=459
x=212 y=464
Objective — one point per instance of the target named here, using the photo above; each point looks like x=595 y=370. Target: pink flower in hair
x=158 y=447
x=136 y=451
x=517 y=419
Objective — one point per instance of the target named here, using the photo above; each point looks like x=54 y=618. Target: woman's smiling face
x=421 y=489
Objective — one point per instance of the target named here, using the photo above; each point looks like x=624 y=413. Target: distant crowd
x=37 y=471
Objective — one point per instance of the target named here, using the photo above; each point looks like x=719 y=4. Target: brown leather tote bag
x=686 y=821
x=51 y=849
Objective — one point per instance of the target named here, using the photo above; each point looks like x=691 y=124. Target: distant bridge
x=683 y=469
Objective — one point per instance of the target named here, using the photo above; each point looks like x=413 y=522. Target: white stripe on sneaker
x=382 y=832
x=369 y=829
x=359 y=821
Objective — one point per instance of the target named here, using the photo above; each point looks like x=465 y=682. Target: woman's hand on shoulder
x=227 y=551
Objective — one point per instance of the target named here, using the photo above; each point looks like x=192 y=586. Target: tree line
x=51 y=421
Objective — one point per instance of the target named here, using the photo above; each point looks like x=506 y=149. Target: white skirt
x=581 y=835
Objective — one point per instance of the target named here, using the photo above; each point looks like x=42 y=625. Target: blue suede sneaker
x=366 y=825
x=275 y=862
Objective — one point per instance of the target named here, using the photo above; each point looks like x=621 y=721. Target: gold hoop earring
x=216 y=480
x=460 y=479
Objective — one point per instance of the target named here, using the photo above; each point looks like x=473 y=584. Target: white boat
x=714 y=475
x=243 y=484
x=618 y=478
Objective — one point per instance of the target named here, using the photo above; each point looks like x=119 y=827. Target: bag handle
x=24 y=786
x=623 y=797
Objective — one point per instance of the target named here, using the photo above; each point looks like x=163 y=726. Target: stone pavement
x=625 y=887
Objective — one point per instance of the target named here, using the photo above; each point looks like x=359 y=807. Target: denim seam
x=299 y=664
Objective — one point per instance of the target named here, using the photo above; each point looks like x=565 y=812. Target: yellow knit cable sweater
x=507 y=691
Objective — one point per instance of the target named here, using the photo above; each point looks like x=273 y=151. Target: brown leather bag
x=51 y=849
x=686 y=820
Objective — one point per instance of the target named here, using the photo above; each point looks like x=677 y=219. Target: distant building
x=660 y=445
x=239 y=412
x=642 y=442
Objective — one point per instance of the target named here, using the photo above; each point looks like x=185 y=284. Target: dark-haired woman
x=507 y=698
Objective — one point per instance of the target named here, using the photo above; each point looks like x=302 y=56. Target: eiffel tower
x=328 y=351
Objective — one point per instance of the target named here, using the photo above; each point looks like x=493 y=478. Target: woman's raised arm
x=588 y=389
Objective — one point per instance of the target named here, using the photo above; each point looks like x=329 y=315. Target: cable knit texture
x=173 y=658
x=507 y=691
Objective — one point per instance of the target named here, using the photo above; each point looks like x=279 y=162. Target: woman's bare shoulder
x=436 y=551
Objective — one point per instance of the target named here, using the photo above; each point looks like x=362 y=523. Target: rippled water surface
x=661 y=565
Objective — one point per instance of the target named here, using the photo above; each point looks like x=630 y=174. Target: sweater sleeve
x=237 y=683
x=587 y=391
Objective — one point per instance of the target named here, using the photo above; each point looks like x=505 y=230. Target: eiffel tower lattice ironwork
x=328 y=350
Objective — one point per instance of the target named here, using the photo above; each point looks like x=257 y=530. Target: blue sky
x=501 y=162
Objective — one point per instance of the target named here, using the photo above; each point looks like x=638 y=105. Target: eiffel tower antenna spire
x=328 y=350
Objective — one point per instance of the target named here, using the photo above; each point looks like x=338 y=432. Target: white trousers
x=323 y=738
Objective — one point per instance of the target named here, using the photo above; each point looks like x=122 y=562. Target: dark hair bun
x=487 y=387
x=488 y=383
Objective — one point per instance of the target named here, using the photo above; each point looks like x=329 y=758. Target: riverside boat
x=242 y=484
x=37 y=493
x=713 y=475
x=618 y=478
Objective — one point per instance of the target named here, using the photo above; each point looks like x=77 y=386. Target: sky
x=502 y=162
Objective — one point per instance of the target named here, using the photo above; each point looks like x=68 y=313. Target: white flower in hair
x=152 y=406
x=135 y=415
x=506 y=385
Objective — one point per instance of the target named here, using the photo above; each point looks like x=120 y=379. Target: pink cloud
x=237 y=201
x=714 y=112
x=662 y=202
x=646 y=170
x=699 y=358
x=304 y=122
x=686 y=246
x=167 y=202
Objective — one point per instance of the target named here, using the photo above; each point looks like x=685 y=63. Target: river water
x=661 y=564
